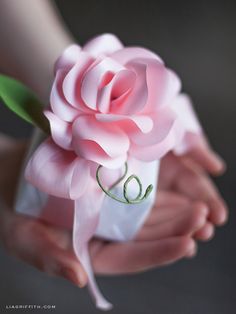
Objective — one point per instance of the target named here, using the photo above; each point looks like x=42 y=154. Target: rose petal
x=128 y=54
x=58 y=102
x=93 y=78
x=163 y=120
x=120 y=84
x=157 y=151
x=68 y=58
x=55 y=171
x=137 y=98
x=103 y=44
x=72 y=83
x=163 y=85
x=107 y=135
x=144 y=123
x=60 y=130
x=90 y=150
x=173 y=86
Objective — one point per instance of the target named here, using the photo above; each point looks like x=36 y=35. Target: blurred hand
x=187 y=208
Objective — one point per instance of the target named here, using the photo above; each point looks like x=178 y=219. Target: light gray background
x=197 y=39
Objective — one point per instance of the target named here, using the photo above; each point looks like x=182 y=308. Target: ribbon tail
x=100 y=301
x=86 y=217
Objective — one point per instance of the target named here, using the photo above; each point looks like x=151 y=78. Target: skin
x=181 y=216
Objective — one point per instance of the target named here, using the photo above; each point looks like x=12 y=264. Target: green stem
x=127 y=200
x=121 y=178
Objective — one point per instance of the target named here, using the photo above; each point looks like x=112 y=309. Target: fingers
x=185 y=222
x=219 y=211
x=130 y=257
x=205 y=233
x=6 y=143
x=64 y=264
x=205 y=157
x=198 y=186
x=38 y=245
x=161 y=214
x=168 y=198
x=9 y=144
x=167 y=205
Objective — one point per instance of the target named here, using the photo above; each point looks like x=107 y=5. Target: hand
x=166 y=237
x=187 y=176
x=188 y=206
x=205 y=157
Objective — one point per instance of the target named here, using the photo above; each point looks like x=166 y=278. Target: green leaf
x=23 y=102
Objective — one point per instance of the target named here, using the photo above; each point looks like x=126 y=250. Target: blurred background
x=198 y=40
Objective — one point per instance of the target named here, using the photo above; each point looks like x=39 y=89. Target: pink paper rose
x=108 y=102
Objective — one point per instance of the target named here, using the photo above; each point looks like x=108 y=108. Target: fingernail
x=220 y=163
x=223 y=218
x=71 y=275
x=219 y=211
x=192 y=250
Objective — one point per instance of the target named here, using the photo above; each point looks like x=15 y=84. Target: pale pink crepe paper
x=107 y=102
